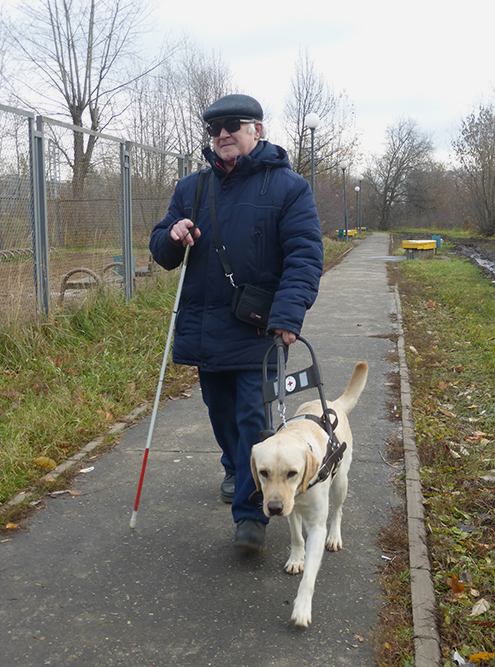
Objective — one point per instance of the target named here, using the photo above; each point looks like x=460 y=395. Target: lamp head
x=312 y=121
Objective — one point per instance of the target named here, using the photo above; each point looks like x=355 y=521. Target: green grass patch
x=335 y=249
x=426 y=232
x=449 y=321
x=66 y=380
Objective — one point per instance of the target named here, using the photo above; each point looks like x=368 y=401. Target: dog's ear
x=312 y=466
x=255 y=472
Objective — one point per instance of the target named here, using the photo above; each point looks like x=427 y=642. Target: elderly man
x=266 y=218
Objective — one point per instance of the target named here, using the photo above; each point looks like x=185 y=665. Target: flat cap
x=234 y=106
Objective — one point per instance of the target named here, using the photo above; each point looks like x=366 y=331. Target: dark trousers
x=237 y=415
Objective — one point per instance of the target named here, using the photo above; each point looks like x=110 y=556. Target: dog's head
x=282 y=466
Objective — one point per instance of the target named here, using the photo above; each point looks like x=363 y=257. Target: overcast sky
x=430 y=60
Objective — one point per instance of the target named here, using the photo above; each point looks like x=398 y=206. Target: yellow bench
x=341 y=232
x=419 y=249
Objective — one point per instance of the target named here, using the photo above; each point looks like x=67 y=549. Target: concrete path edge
x=427 y=651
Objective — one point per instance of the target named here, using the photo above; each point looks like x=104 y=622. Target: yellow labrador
x=285 y=468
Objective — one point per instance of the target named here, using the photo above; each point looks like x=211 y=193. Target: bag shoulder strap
x=198 y=193
x=216 y=233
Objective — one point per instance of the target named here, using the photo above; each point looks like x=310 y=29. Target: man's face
x=229 y=145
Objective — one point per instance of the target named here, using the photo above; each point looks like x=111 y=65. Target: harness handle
x=281 y=351
x=273 y=390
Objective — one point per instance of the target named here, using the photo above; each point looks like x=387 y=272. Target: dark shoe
x=250 y=535
x=227 y=488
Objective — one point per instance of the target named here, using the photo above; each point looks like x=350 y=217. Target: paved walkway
x=79 y=588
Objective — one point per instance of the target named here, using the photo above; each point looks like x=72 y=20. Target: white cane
x=198 y=194
x=132 y=524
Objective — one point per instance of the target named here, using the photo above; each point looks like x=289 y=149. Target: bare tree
x=80 y=50
x=166 y=112
x=3 y=36
x=335 y=137
x=475 y=150
x=149 y=116
x=198 y=79
x=394 y=178
x=167 y=109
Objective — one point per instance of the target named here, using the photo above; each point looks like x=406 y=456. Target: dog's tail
x=356 y=385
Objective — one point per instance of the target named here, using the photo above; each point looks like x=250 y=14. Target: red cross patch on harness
x=290 y=383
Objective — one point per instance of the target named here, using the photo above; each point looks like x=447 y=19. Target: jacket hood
x=264 y=155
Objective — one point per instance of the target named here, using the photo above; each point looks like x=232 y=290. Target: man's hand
x=181 y=232
x=287 y=336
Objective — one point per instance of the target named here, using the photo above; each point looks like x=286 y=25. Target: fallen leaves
x=479 y=435
x=71 y=492
x=477 y=657
x=447 y=413
x=481 y=607
x=455 y=585
x=106 y=414
x=45 y=462
x=485 y=624
x=10 y=394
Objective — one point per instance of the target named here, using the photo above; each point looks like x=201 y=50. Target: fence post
x=183 y=164
x=40 y=221
x=125 y=168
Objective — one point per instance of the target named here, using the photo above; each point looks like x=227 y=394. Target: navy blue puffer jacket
x=270 y=229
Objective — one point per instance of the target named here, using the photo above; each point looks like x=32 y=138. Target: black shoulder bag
x=249 y=303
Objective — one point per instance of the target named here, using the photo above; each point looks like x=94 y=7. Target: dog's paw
x=301 y=614
x=334 y=543
x=294 y=566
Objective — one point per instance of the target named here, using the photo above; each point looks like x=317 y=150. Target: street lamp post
x=312 y=120
x=343 y=166
x=360 y=179
x=358 y=190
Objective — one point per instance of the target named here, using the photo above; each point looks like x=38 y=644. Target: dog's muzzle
x=275 y=507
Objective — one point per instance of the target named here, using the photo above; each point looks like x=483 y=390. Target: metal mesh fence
x=154 y=177
x=83 y=209
x=16 y=217
x=81 y=212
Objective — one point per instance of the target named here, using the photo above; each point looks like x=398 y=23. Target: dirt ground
x=476 y=250
x=485 y=247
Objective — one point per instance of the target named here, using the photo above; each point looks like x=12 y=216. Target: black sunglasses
x=231 y=125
